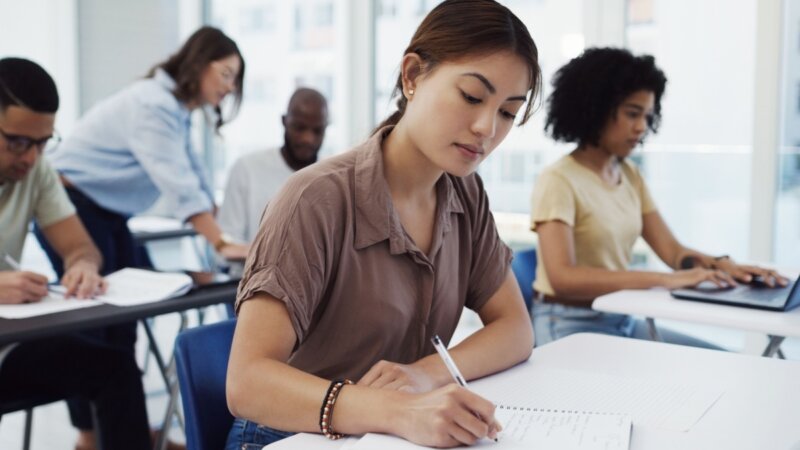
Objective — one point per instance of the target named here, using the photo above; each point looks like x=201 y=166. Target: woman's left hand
x=746 y=273
x=398 y=377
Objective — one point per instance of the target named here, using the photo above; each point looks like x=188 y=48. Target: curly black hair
x=588 y=90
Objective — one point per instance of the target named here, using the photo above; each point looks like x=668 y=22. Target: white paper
x=660 y=405
x=524 y=429
x=128 y=287
x=564 y=430
x=53 y=303
x=153 y=224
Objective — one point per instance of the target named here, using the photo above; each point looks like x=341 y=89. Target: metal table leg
x=169 y=375
x=651 y=328
x=774 y=346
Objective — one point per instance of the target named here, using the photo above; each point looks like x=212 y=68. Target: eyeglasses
x=228 y=75
x=20 y=145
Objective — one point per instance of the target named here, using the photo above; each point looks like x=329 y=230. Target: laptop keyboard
x=764 y=295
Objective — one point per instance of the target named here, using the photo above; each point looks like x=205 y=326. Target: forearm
x=688 y=258
x=84 y=253
x=289 y=399
x=205 y=224
x=581 y=283
x=495 y=347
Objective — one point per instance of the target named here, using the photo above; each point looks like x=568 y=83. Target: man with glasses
x=257 y=177
x=67 y=366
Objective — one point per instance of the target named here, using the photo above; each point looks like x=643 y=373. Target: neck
x=409 y=173
x=294 y=163
x=596 y=158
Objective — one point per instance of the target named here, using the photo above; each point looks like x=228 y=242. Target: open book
x=126 y=287
x=532 y=428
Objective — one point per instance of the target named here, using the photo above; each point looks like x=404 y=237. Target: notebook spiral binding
x=550 y=410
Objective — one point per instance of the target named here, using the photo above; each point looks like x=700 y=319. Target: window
x=787 y=207
x=707 y=119
x=258 y=19
x=297 y=46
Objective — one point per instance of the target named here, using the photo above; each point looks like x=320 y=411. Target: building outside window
x=286 y=44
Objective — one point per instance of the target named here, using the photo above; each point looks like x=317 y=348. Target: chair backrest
x=201 y=359
x=524 y=267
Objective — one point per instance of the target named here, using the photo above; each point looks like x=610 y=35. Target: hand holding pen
x=458 y=377
x=18 y=286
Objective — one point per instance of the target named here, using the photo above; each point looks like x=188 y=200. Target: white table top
x=659 y=304
x=759 y=408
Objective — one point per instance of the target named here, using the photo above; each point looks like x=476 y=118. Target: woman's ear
x=411 y=68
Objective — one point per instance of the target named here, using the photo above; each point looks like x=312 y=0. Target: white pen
x=450 y=364
x=12 y=262
x=448 y=361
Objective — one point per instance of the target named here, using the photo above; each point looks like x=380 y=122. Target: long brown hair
x=458 y=28
x=187 y=65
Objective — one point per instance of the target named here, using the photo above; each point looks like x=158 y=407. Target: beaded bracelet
x=326 y=412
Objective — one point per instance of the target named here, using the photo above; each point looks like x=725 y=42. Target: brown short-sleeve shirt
x=332 y=248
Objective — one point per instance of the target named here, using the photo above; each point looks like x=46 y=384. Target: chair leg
x=26 y=439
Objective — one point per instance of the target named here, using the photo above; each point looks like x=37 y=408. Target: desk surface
x=759 y=409
x=153 y=228
x=659 y=304
x=20 y=330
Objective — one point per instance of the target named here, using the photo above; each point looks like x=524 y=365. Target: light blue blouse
x=133 y=147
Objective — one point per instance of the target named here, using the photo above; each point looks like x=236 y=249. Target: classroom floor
x=52 y=429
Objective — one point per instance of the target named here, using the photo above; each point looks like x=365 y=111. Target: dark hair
x=25 y=83
x=588 y=90
x=458 y=28
x=186 y=67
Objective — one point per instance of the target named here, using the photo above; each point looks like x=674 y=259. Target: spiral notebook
x=563 y=429
x=527 y=428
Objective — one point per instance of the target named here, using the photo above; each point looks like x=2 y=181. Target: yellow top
x=606 y=220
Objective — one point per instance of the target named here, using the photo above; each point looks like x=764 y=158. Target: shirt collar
x=163 y=79
x=376 y=218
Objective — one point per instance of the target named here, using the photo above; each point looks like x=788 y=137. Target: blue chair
x=201 y=359
x=524 y=267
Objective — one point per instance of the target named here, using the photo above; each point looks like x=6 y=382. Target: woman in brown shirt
x=365 y=256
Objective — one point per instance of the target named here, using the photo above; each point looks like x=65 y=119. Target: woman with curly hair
x=589 y=207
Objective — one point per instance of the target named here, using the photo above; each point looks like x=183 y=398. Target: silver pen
x=450 y=364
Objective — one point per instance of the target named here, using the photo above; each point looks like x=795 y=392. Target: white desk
x=759 y=409
x=659 y=304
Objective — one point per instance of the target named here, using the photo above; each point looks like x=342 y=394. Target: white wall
x=120 y=40
x=44 y=31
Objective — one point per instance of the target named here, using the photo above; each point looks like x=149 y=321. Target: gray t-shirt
x=357 y=289
x=39 y=196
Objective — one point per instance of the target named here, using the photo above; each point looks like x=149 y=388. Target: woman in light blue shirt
x=135 y=146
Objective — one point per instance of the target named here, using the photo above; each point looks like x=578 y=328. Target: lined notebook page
x=528 y=428
x=660 y=405
x=566 y=430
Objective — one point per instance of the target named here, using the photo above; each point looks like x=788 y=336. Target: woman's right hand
x=693 y=277
x=446 y=417
x=235 y=252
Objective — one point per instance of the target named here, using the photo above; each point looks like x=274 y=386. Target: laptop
x=755 y=295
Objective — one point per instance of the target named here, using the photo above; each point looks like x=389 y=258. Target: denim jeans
x=553 y=321
x=247 y=435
